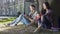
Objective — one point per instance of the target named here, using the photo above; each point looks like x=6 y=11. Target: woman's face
x=44 y=6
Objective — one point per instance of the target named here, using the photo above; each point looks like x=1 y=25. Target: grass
x=21 y=29
x=6 y=20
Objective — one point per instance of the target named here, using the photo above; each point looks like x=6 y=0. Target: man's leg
x=13 y=21
x=17 y=20
x=25 y=21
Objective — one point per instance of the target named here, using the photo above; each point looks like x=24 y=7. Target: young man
x=26 y=19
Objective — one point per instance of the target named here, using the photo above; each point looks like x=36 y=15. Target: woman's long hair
x=43 y=11
x=47 y=5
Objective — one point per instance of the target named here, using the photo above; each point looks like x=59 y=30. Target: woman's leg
x=39 y=26
x=48 y=22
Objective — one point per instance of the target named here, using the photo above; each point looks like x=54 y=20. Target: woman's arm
x=37 y=28
x=48 y=12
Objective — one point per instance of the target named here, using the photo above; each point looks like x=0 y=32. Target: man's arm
x=32 y=21
x=29 y=18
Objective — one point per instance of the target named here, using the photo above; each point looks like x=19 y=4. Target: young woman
x=48 y=15
x=45 y=15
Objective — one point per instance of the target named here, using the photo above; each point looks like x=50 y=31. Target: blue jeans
x=22 y=19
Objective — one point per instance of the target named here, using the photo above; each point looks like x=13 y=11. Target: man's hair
x=33 y=6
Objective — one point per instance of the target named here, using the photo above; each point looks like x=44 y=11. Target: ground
x=20 y=29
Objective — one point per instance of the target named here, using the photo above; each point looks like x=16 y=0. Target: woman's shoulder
x=50 y=10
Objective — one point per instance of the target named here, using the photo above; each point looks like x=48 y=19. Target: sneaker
x=6 y=25
x=12 y=25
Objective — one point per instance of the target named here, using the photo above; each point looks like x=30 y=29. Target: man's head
x=32 y=7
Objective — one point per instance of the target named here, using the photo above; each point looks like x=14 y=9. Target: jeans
x=22 y=19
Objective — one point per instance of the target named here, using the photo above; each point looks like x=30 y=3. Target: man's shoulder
x=36 y=12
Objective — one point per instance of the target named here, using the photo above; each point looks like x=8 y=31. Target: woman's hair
x=43 y=11
x=33 y=6
x=47 y=5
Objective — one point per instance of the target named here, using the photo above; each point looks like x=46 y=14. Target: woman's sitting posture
x=45 y=17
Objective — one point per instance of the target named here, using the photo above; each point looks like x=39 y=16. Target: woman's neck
x=47 y=9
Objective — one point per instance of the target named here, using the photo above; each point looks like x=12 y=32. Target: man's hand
x=25 y=15
x=29 y=18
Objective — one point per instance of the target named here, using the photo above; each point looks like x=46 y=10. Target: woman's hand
x=37 y=17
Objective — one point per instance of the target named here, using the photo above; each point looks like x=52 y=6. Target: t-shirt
x=33 y=16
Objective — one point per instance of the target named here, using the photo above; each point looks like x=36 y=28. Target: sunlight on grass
x=20 y=29
x=2 y=29
x=7 y=20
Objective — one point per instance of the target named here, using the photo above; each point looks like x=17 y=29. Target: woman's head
x=46 y=5
x=32 y=7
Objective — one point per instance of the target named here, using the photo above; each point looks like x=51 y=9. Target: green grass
x=6 y=20
x=21 y=29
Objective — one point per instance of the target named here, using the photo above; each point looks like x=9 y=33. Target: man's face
x=31 y=8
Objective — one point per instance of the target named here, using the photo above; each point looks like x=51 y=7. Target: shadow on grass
x=21 y=29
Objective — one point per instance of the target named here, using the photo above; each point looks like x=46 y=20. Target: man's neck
x=33 y=11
